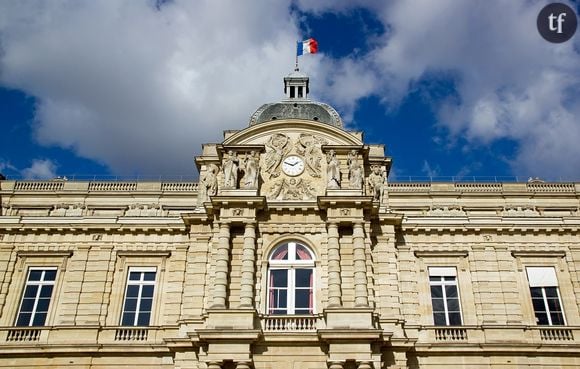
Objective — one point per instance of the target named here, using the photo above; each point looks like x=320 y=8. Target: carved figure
x=231 y=166
x=376 y=182
x=310 y=148
x=278 y=145
x=332 y=170
x=208 y=185
x=292 y=189
x=250 y=178
x=355 y=171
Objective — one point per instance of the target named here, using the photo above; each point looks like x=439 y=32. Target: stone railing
x=556 y=334
x=451 y=334
x=535 y=335
x=131 y=334
x=179 y=186
x=26 y=334
x=551 y=187
x=112 y=186
x=291 y=323
x=409 y=187
x=39 y=186
x=479 y=187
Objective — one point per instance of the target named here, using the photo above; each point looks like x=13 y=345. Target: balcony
x=291 y=323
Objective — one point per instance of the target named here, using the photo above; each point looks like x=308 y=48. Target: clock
x=293 y=165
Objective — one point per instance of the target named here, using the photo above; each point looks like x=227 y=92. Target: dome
x=297 y=109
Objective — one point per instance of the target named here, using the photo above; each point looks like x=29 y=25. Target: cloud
x=40 y=169
x=140 y=88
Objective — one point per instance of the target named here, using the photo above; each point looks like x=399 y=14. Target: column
x=334 y=293
x=360 y=266
x=248 y=267
x=335 y=365
x=221 y=267
x=214 y=365
x=365 y=365
x=243 y=365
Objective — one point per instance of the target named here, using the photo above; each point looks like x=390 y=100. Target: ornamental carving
x=309 y=147
x=279 y=146
x=292 y=189
x=208 y=184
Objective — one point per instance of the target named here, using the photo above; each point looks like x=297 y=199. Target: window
x=545 y=296
x=290 y=280
x=36 y=297
x=138 y=297
x=445 y=296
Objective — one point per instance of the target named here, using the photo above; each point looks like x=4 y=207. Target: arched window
x=291 y=280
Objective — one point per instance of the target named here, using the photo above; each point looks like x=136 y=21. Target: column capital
x=335 y=364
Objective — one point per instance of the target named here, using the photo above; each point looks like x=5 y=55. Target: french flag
x=309 y=46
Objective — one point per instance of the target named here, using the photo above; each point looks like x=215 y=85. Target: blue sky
x=452 y=88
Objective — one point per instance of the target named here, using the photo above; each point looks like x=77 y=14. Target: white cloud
x=140 y=89
x=40 y=169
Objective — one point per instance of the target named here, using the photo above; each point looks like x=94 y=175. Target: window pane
x=453 y=304
x=130 y=304
x=279 y=277
x=302 y=253
x=35 y=275
x=280 y=299
x=149 y=276
x=454 y=319
x=46 y=291
x=554 y=305
x=27 y=305
x=435 y=278
x=302 y=311
x=128 y=319
x=132 y=291
x=451 y=291
x=538 y=305
x=39 y=319
x=134 y=276
x=281 y=253
x=551 y=291
x=42 y=305
x=50 y=275
x=302 y=299
x=23 y=319
x=438 y=305
x=30 y=291
x=436 y=291
x=439 y=319
x=303 y=277
x=542 y=318
x=536 y=291
x=146 y=305
x=147 y=291
x=557 y=318
x=143 y=319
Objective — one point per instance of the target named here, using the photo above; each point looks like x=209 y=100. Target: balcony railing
x=451 y=334
x=23 y=334
x=131 y=334
x=291 y=323
x=556 y=334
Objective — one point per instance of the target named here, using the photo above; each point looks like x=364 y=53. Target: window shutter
x=442 y=272
x=542 y=277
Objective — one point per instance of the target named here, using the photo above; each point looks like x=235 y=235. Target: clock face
x=293 y=165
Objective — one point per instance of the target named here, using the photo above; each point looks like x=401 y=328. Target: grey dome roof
x=297 y=109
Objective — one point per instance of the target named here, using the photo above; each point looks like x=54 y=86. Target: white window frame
x=549 y=279
x=140 y=283
x=37 y=297
x=445 y=272
x=291 y=265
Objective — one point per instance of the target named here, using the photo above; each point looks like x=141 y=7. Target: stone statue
x=309 y=147
x=376 y=182
x=355 y=171
x=208 y=185
x=231 y=166
x=250 y=178
x=278 y=148
x=332 y=170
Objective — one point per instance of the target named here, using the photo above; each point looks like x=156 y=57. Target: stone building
x=294 y=251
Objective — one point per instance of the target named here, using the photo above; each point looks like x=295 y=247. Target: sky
x=456 y=90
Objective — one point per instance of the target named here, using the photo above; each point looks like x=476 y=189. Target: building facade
x=293 y=251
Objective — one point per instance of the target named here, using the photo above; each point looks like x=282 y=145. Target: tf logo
x=557 y=22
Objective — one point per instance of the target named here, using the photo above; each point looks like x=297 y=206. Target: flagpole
x=296 y=67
